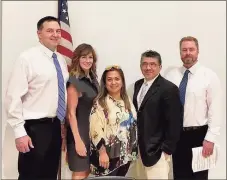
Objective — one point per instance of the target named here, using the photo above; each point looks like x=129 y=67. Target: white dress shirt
x=202 y=98
x=32 y=91
x=149 y=83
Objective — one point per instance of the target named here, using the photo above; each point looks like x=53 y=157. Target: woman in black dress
x=82 y=88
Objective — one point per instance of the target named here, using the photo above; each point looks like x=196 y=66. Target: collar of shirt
x=192 y=70
x=47 y=51
x=150 y=82
x=91 y=76
x=81 y=76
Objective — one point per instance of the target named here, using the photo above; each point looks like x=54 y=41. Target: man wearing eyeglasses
x=159 y=113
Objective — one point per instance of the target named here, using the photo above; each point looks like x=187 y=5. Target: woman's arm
x=97 y=134
x=97 y=127
x=72 y=102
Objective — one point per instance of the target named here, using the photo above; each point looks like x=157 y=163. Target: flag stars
x=64 y=10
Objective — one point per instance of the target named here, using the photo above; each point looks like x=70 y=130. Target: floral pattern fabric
x=117 y=130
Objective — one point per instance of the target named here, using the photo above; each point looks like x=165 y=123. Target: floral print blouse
x=117 y=130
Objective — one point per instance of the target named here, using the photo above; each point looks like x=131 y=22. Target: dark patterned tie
x=61 y=110
x=183 y=85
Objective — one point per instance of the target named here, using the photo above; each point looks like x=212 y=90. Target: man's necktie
x=143 y=93
x=61 y=110
x=183 y=85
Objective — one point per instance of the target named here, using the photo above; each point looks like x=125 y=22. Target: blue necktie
x=183 y=85
x=61 y=110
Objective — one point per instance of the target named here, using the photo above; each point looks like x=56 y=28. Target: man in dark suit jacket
x=160 y=117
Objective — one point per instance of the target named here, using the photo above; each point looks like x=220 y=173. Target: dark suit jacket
x=160 y=119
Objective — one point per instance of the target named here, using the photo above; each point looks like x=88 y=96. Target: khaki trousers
x=160 y=170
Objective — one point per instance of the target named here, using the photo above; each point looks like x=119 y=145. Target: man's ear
x=39 y=33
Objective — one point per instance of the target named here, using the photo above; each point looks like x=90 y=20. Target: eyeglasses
x=112 y=67
x=153 y=65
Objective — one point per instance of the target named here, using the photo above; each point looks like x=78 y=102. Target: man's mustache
x=188 y=56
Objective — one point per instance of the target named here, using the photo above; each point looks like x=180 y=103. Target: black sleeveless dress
x=89 y=90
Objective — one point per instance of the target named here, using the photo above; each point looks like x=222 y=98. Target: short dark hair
x=44 y=19
x=152 y=54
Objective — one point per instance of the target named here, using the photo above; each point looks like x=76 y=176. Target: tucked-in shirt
x=202 y=99
x=118 y=131
x=32 y=91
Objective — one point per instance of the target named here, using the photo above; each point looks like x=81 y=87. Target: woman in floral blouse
x=113 y=128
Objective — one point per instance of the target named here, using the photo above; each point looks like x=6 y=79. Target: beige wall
x=120 y=31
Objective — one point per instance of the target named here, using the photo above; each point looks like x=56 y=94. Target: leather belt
x=41 y=120
x=191 y=128
x=47 y=119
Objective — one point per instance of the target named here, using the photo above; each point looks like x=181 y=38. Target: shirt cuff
x=210 y=137
x=19 y=131
x=101 y=142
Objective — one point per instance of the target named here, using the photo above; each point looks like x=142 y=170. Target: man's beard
x=189 y=60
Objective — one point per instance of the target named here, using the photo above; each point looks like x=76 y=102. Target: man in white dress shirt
x=200 y=92
x=35 y=103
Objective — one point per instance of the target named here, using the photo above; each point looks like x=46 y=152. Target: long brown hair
x=82 y=50
x=101 y=97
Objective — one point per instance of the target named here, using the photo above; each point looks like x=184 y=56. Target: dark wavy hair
x=103 y=92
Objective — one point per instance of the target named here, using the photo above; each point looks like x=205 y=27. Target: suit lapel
x=137 y=89
x=151 y=92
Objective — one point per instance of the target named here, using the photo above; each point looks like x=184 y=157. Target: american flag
x=66 y=46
